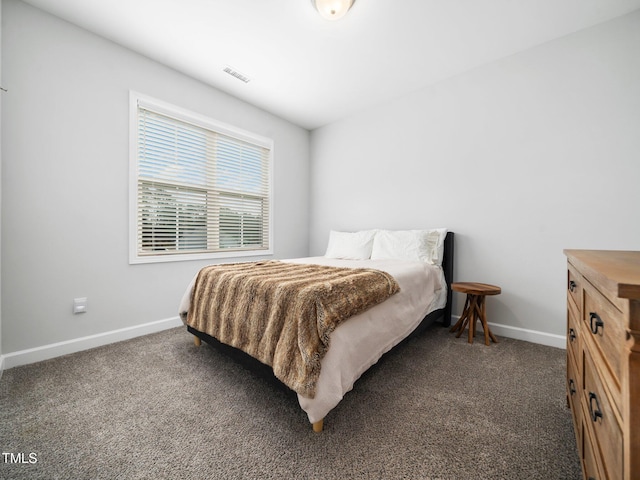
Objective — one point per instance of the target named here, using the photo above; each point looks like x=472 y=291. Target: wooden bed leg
x=196 y=340
x=317 y=426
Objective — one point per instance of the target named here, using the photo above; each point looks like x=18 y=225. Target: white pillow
x=415 y=245
x=350 y=245
x=435 y=243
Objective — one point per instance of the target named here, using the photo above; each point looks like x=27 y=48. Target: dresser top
x=619 y=270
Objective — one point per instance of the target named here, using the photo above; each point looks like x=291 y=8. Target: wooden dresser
x=603 y=360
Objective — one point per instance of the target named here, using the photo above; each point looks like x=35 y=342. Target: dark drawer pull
x=572 y=386
x=597 y=412
x=572 y=286
x=597 y=324
x=572 y=334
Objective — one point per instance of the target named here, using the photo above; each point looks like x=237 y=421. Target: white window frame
x=181 y=114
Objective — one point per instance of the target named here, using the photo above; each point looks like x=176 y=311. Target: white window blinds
x=199 y=189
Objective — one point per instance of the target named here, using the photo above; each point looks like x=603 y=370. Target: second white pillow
x=414 y=245
x=350 y=245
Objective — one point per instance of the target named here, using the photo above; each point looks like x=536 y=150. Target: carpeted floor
x=158 y=407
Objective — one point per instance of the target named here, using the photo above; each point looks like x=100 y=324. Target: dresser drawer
x=574 y=345
x=590 y=464
x=600 y=417
x=604 y=325
x=574 y=392
x=574 y=288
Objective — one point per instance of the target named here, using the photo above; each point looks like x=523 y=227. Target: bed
x=422 y=297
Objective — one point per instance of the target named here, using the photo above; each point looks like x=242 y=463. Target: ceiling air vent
x=237 y=74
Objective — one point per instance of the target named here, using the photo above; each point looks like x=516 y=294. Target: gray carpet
x=158 y=407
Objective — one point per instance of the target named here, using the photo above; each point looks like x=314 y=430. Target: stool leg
x=483 y=320
x=473 y=316
x=487 y=332
x=464 y=318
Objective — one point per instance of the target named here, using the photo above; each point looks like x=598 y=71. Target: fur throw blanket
x=283 y=313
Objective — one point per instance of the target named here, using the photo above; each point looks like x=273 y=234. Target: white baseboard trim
x=517 y=333
x=45 y=352
x=533 y=336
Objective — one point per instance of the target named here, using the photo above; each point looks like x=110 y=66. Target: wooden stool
x=474 y=308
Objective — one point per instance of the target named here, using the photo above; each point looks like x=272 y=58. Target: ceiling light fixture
x=332 y=9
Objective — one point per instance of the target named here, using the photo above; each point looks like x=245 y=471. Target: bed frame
x=443 y=315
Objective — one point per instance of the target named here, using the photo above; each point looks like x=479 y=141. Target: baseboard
x=45 y=352
x=533 y=336
x=517 y=333
x=53 y=350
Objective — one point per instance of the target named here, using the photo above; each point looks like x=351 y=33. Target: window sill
x=184 y=257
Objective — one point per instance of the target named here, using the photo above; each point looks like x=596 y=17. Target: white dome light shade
x=332 y=9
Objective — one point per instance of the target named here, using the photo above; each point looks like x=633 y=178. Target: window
x=199 y=188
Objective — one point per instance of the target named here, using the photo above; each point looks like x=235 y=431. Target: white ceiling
x=312 y=71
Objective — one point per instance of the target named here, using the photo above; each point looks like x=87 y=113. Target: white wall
x=522 y=158
x=65 y=181
x=1 y=356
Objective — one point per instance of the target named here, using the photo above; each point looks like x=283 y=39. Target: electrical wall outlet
x=80 y=305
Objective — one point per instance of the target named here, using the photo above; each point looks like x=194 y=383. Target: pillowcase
x=414 y=245
x=435 y=244
x=350 y=245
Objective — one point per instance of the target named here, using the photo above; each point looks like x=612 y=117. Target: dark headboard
x=447 y=267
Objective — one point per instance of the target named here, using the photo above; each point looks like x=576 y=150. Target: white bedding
x=360 y=342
